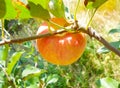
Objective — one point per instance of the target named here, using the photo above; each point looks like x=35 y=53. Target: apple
x=60 y=49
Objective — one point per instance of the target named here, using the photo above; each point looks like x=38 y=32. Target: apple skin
x=60 y=49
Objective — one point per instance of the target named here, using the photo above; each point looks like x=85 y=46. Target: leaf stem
x=2 y=22
x=75 y=18
x=91 y=18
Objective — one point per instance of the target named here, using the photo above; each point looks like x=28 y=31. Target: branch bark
x=20 y=40
x=91 y=32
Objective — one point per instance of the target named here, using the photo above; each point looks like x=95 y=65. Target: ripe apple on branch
x=60 y=49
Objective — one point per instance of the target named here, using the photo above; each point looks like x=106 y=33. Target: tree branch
x=91 y=32
x=20 y=40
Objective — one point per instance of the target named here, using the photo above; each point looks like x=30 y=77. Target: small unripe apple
x=60 y=49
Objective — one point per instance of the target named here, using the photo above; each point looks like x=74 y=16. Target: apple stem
x=89 y=22
x=75 y=25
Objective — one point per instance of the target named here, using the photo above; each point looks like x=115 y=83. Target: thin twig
x=10 y=81
x=90 y=20
x=3 y=69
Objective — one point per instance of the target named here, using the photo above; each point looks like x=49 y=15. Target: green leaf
x=14 y=58
x=107 y=83
x=10 y=10
x=22 y=11
x=32 y=86
x=52 y=79
x=91 y=4
x=57 y=8
x=4 y=52
x=105 y=50
x=31 y=72
x=43 y=3
x=2 y=8
x=17 y=10
x=36 y=10
x=33 y=82
x=116 y=30
x=98 y=3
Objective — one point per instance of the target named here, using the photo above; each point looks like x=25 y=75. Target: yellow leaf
x=110 y=5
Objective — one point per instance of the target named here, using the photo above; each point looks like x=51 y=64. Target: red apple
x=60 y=49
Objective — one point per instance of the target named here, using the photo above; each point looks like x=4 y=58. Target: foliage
x=94 y=3
x=21 y=66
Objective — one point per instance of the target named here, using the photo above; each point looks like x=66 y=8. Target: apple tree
x=44 y=44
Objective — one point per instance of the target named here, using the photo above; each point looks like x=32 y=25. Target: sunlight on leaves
x=31 y=71
x=57 y=8
x=10 y=10
x=22 y=9
x=110 y=5
x=52 y=79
